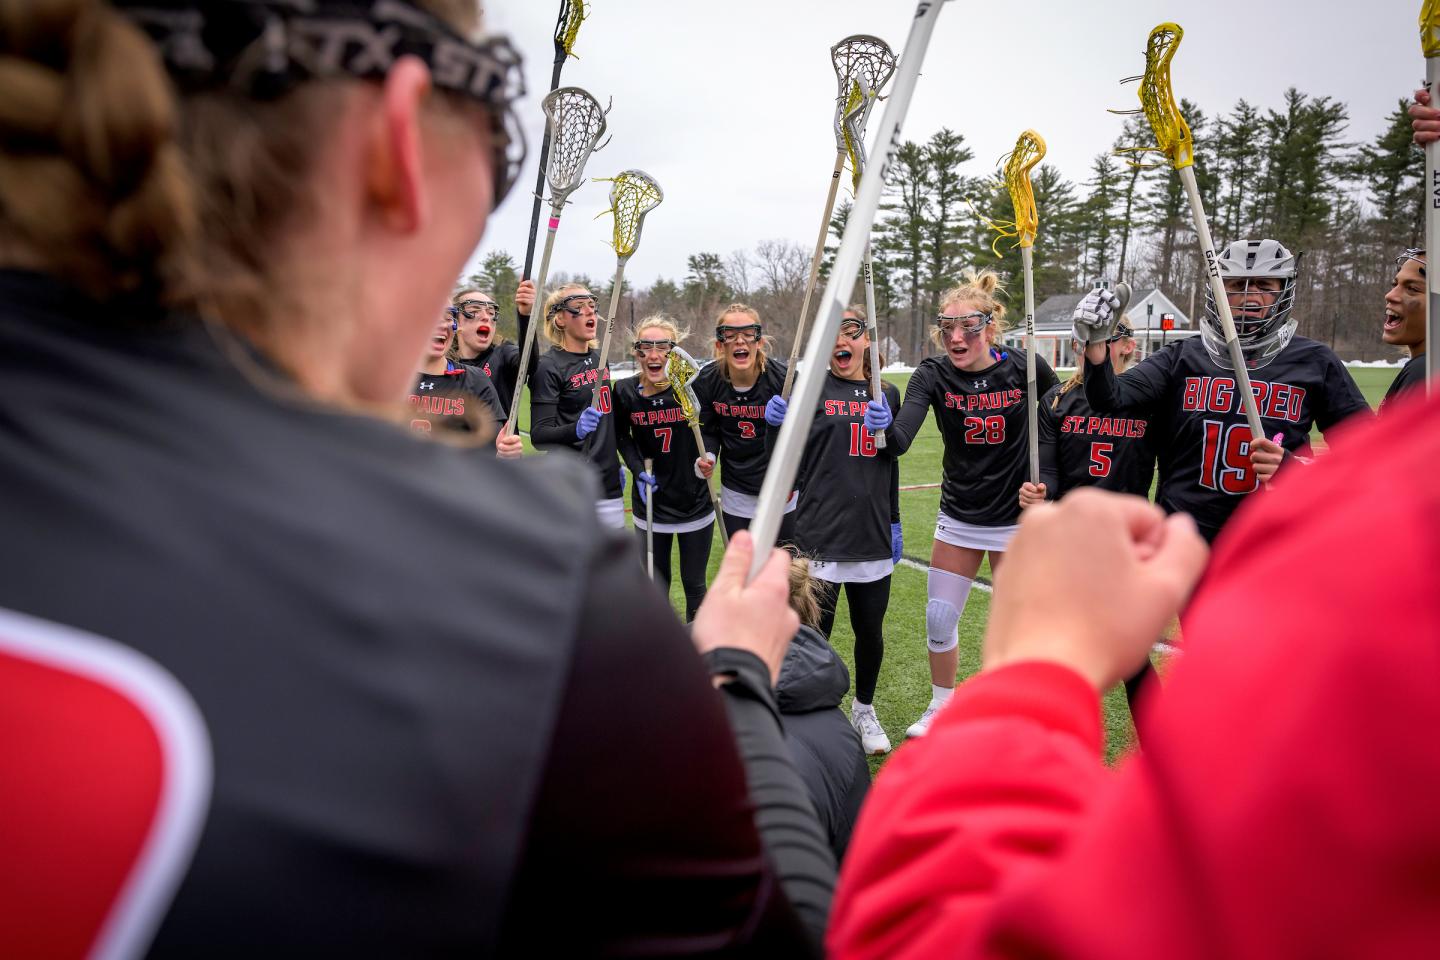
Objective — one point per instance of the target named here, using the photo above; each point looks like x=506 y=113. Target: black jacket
x=404 y=657
x=827 y=752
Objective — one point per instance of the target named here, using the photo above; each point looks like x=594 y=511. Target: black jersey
x=449 y=400
x=733 y=423
x=1082 y=448
x=1203 y=440
x=1410 y=377
x=847 y=487
x=399 y=711
x=500 y=363
x=563 y=387
x=985 y=426
x=655 y=427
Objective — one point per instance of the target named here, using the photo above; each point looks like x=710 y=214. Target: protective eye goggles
x=471 y=309
x=645 y=346
x=852 y=329
x=970 y=324
x=1121 y=332
x=1412 y=253
x=266 y=48
x=750 y=333
x=576 y=304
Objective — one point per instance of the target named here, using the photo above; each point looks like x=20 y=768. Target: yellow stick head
x=1172 y=133
x=633 y=194
x=572 y=14
x=1029 y=151
x=1430 y=28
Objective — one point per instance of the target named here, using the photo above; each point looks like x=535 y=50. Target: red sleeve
x=1284 y=802
x=997 y=785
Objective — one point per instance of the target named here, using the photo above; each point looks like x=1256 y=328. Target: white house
x=1152 y=314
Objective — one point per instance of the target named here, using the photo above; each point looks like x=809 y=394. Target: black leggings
x=868 y=602
x=694 y=563
x=787 y=527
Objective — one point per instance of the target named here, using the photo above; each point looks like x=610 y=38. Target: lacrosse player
x=848 y=520
x=561 y=416
x=451 y=396
x=1079 y=448
x=1405 y=323
x=1208 y=461
x=479 y=344
x=733 y=392
x=650 y=424
x=977 y=391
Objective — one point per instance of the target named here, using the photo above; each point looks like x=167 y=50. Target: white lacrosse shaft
x=537 y=320
x=815 y=261
x=650 y=523
x=1032 y=401
x=785 y=461
x=609 y=329
x=1222 y=303
x=867 y=272
x=710 y=485
x=1432 y=236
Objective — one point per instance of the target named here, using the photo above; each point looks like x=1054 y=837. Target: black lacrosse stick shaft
x=560 y=57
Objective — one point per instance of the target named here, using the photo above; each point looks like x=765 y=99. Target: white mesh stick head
x=633 y=194
x=577 y=122
x=866 y=59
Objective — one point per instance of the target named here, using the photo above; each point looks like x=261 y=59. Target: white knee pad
x=947 y=593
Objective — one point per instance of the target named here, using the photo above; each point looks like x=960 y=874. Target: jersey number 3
x=1225 y=464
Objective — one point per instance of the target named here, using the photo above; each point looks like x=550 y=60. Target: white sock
x=857 y=707
x=939 y=696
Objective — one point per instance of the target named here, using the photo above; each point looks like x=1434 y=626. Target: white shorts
x=960 y=534
x=611 y=513
x=689 y=526
x=851 y=571
x=743 y=504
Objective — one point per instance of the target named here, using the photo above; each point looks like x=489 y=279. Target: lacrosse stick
x=650 y=523
x=861 y=57
x=681 y=369
x=1430 y=44
x=576 y=122
x=1029 y=151
x=785 y=461
x=855 y=150
x=1172 y=138
x=633 y=194
x=567 y=27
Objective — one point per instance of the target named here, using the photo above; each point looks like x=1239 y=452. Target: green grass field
x=904 y=687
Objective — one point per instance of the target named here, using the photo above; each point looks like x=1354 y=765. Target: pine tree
x=901 y=233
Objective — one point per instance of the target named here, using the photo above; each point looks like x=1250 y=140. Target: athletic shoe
x=872 y=736
x=922 y=726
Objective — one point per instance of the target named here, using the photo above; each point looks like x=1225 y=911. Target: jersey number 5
x=1225 y=464
x=862 y=441
x=1100 y=458
x=986 y=430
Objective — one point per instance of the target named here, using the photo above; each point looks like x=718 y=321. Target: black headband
x=266 y=48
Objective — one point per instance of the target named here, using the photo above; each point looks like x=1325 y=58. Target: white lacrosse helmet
x=1263 y=331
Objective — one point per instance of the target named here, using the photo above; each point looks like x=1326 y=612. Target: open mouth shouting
x=740 y=354
x=1393 y=320
x=654 y=370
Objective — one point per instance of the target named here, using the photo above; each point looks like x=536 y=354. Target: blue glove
x=775 y=410
x=589 y=420
x=877 y=415
x=622 y=478
x=645 y=485
x=897 y=543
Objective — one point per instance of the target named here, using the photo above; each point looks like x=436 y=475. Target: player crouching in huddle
x=1208 y=460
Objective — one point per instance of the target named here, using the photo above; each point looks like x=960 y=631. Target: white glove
x=1096 y=315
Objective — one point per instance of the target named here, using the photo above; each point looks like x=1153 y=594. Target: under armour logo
x=428 y=385
x=980 y=385
x=861 y=393
x=657 y=401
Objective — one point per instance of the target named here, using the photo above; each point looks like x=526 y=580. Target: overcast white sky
x=729 y=104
